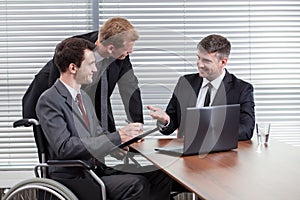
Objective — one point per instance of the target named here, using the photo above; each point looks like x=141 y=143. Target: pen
x=127 y=121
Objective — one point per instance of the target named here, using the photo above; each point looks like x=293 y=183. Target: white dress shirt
x=73 y=94
x=215 y=86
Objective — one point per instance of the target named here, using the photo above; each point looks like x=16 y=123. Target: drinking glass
x=263 y=132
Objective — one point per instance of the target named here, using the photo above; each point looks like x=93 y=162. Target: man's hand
x=130 y=131
x=159 y=114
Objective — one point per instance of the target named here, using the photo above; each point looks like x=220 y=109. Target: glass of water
x=263 y=132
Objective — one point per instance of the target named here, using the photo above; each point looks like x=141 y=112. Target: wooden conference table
x=252 y=171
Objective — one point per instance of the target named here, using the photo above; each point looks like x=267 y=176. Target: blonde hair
x=116 y=31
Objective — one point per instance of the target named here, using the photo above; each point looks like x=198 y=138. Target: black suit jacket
x=119 y=71
x=231 y=91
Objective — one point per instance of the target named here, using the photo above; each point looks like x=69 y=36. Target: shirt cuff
x=161 y=125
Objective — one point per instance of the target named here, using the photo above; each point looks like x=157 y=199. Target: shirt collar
x=215 y=83
x=71 y=90
x=98 y=57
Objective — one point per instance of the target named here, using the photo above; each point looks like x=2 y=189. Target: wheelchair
x=43 y=188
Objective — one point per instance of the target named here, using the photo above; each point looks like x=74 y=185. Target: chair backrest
x=40 y=141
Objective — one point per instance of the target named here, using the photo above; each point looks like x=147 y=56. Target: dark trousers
x=145 y=183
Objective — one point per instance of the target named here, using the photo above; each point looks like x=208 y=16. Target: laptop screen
x=210 y=129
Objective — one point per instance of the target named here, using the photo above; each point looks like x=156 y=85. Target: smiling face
x=209 y=65
x=122 y=52
x=116 y=38
x=213 y=53
x=87 y=69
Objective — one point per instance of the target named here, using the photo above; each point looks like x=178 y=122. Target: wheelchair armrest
x=70 y=163
x=25 y=122
x=60 y=163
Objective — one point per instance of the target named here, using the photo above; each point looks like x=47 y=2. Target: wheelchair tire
x=39 y=188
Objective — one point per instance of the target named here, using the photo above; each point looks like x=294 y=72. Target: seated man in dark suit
x=224 y=88
x=68 y=119
x=115 y=40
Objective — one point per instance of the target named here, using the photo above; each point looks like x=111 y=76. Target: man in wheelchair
x=72 y=131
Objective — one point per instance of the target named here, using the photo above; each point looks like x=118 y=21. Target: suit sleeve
x=173 y=110
x=130 y=92
x=41 y=82
x=66 y=140
x=32 y=94
x=34 y=91
x=247 y=113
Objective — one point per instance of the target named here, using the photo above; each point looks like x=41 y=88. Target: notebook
x=208 y=129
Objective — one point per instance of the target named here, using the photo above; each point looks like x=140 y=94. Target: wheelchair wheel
x=39 y=189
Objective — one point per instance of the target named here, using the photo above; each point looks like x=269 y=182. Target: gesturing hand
x=159 y=114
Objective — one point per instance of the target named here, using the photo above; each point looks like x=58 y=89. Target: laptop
x=208 y=129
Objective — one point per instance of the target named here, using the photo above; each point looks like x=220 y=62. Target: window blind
x=265 y=52
x=29 y=32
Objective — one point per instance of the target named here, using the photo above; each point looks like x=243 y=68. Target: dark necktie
x=80 y=105
x=208 y=94
x=104 y=91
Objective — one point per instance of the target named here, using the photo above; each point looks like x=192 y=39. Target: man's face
x=121 y=53
x=87 y=68
x=209 y=66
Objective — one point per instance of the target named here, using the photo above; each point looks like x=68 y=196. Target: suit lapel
x=187 y=90
x=221 y=95
x=196 y=85
x=63 y=91
x=88 y=109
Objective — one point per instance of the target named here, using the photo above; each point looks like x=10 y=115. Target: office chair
x=73 y=189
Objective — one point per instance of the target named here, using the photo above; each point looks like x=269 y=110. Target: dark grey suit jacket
x=231 y=91
x=66 y=133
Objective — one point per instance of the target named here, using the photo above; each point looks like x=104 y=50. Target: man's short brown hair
x=215 y=44
x=71 y=50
